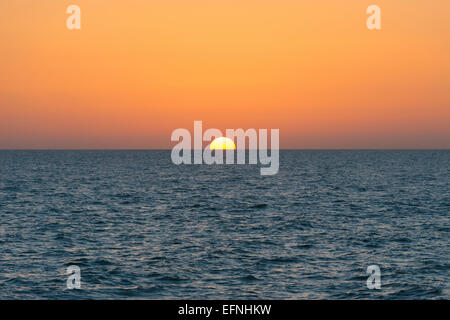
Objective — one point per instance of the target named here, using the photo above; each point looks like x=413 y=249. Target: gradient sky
x=139 y=69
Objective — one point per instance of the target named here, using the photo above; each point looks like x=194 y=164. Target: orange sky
x=139 y=69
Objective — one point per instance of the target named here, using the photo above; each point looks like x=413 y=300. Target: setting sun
x=222 y=143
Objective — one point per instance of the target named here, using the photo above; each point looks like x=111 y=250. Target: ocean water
x=140 y=227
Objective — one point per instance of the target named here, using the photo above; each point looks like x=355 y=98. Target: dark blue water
x=140 y=227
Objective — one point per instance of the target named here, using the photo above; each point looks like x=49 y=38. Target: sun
x=222 y=143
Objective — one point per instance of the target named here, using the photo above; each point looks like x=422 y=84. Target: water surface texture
x=140 y=227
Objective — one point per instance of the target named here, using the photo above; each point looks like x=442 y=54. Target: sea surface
x=140 y=227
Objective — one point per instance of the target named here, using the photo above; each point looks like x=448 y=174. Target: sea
x=140 y=227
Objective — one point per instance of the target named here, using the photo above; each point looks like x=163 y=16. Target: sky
x=138 y=69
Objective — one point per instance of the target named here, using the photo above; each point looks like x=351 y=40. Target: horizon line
x=281 y=149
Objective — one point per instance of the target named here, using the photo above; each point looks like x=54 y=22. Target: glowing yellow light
x=222 y=143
